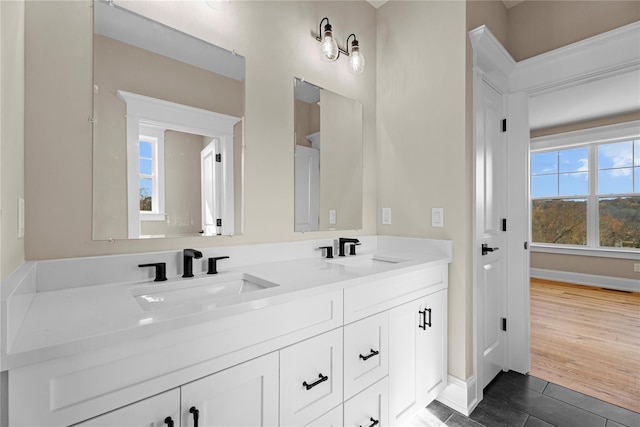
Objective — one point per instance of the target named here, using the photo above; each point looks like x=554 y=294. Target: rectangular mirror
x=328 y=160
x=167 y=131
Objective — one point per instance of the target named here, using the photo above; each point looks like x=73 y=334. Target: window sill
x=592 y=252
x=152 y=217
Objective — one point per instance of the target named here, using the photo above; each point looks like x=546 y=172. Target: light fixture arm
x=354 y=43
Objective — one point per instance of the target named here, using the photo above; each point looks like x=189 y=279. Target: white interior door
x=307 y=188
x=211 y=197
x=490 y=265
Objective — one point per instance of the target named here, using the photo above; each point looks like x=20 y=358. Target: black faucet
x=187 y=258
x=343 y=241
x=213 y=264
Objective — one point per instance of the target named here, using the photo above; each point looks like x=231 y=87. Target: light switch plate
x=386 y=216
x=437 y=217
x=332 y=216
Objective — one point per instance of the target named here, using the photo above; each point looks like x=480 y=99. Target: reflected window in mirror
x=151 y=174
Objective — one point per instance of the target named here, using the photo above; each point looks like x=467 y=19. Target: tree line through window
x=587 y=195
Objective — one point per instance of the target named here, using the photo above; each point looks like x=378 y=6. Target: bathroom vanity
x=280 y=336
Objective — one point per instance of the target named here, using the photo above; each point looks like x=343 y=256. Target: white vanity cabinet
x=158 y=411
x=418 y=354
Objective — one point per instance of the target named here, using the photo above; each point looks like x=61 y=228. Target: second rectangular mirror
x=328 y=160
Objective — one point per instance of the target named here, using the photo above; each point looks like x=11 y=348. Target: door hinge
x=504 y=324
x=526 y=245
x=219 y=158
x=504 y=125
x=218 y=222
x=504 y=224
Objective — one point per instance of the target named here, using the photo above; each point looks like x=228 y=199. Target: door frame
x=614 y=52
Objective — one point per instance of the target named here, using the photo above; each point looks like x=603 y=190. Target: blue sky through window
x=560 y=173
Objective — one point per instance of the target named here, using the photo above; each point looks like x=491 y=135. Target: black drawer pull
x=373 y=422
x=196 y=414
x=424 y=318
x=168 y=421
x=370 y=355
x=322 y=379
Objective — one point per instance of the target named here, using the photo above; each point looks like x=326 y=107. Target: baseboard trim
x=608 y=282
x=460 y=395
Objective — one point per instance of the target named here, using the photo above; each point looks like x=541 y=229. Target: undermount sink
x=204 y=290
x=368 y=261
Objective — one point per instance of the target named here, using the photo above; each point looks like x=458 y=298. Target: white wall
x=422 y=147
x=277 y=40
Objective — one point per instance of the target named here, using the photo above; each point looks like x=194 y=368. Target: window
x=151 y=173
x=585 y=190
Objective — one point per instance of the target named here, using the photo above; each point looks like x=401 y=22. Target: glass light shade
x=329 y=46
x=356 y=61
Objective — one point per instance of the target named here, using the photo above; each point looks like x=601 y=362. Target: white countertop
x=73 y=320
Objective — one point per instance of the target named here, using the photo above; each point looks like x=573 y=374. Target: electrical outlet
x=386 y=216
x=332 y=216
x=636 y=267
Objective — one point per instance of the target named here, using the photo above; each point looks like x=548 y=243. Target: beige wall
x=12 y=84
x=59 y=101
x=613 y=267
x=535 y=27
x=422 y=148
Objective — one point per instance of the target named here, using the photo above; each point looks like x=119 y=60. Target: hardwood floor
x=587 y=339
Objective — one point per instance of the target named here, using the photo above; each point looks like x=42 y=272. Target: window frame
x=155 y=136
x=592 y=137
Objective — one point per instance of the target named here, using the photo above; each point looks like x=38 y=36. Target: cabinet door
x=366 y=353
x=369 y=407
x=435 y=372
x=310 y=378
x=157 y=411
x=417 y=355
x=244 y=395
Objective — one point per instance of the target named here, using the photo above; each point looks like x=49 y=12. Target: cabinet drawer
x=310 y=378
x=370 y=407
x=382 y=294
x=366 y=355
x=333 y=418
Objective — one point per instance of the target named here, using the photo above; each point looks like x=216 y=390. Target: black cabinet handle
x=370 y=355
x=424 y=318
x=196 y=415
x=168 y=421
x=374 y=422
x=322 y=379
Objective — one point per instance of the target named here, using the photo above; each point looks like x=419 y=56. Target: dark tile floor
x=515 y=400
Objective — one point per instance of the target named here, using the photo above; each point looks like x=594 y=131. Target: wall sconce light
x=331 y=51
